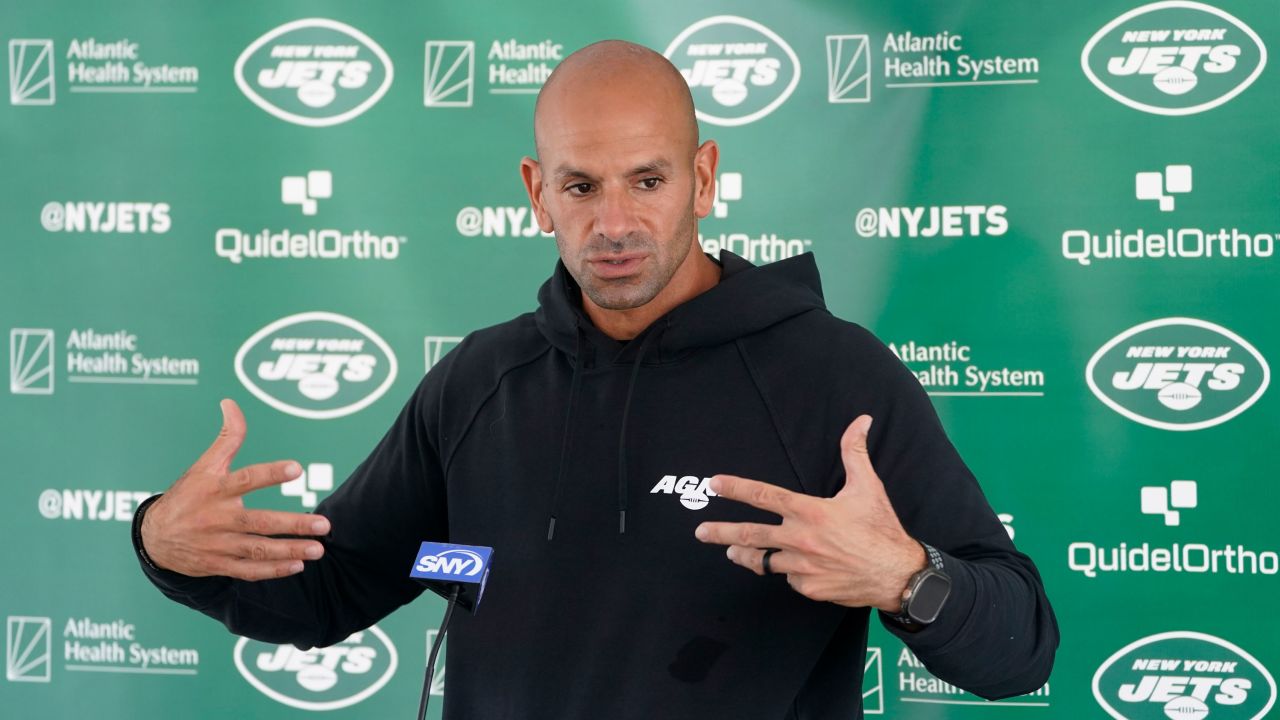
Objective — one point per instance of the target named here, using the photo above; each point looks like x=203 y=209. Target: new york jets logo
x=693 y=491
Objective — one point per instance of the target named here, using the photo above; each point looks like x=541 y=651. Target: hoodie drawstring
x=575 y=387
x=622 y=435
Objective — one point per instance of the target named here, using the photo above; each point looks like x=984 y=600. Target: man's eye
x=650 y=183
x=580 y=189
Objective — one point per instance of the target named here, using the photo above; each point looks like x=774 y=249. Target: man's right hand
x=201 y=527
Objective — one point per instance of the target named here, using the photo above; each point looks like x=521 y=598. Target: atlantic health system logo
x=31 y=72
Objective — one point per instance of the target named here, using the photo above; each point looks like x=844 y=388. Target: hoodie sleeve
x=392 y=502
x=997 y=634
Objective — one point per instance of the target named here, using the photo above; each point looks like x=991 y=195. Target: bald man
x=662 y=418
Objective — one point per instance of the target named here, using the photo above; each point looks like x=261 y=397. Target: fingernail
x=700 y=532
x=320 y=527
x=714 y=483
x=295 y=567
x=313 y=552
x=292 y=470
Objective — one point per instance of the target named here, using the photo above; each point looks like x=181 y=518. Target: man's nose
x=616 y=214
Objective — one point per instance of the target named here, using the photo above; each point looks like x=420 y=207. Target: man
x=591 y=442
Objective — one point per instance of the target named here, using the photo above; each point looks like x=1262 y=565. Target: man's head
x=620 y=177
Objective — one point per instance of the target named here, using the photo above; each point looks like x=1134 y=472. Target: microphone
x=457 y=573
x=443 y=566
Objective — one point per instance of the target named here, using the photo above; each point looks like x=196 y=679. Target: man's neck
x=696 y=275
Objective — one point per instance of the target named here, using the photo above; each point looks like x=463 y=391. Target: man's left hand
x=849 y=549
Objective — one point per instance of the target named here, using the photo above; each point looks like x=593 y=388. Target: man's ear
x=705 y=162
x=531 y=173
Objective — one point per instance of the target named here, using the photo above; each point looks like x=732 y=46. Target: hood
x=747 y=299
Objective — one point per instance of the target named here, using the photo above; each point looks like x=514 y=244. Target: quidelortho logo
x=124 y=218
x=1091 y=559
x=315 y=479
x=949 y=370
x=948 y=221
x=90 y=504
x=1162 y=186
x=757 y=247
x=737 y=69
x=1184 y=674
x=31 y=76
x=327 y=678
x=694 y=491
x=314 y=72
x=304 y=192
x=1169 y=502
x=1178 y=374
x=1174 y=58
x=316 y=365
x=1169 y=188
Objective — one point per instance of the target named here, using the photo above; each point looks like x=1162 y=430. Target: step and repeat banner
x=1062 y=218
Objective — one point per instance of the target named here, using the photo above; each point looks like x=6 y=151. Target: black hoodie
x=581 y=461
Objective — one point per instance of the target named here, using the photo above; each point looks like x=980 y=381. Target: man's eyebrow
x=564 y=172
x=659 y=165
x=653 y=166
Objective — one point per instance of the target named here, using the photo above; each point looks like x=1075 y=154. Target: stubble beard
x=629 y=292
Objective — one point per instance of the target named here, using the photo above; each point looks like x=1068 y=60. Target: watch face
x=928 y=597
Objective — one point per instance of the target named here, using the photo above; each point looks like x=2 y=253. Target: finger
x=230 y=437
x=255 y=477
x=752 y=558
x=255 y=570
x=853 y=450
x=278 y=522
x=749 y=534
x=757 y=494
x=258 y=548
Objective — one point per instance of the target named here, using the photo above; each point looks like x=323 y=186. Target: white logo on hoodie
x=693 y=491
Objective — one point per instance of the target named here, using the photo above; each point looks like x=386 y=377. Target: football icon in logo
x=1186 y=708
x=695 y=499
x=1179 y=396
x=1175 y=80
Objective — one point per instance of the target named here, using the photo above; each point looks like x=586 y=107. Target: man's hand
x=850 y=549
x=201 y=527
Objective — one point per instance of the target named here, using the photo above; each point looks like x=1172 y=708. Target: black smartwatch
x=927 y=592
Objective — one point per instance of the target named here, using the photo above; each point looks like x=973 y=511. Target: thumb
x=230 y=437
x=853 y=450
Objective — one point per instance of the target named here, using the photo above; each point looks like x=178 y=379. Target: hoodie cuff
x=952 y=621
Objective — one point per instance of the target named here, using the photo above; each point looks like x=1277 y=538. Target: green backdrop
x=1062 y=217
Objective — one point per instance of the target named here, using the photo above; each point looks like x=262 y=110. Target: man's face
x=616 y=182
